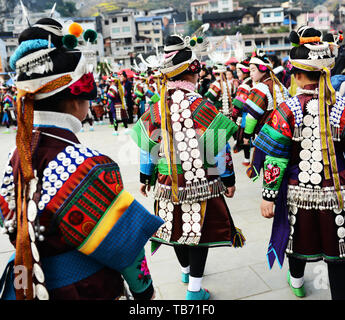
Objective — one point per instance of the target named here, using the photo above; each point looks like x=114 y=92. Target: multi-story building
x=15 y=22
x=151 y=28
x=178 y=23
x=198 y=8
x=240 y=46
x=3 y=58
x=271 y=17
x=272 y=43
x=226 y=20
x=319 y=18
x=122 y=41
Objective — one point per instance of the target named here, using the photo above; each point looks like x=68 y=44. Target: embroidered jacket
x=260 y=104
x=291 y=139
x=220 y=93
x=213 y=130
x=241 y=97
x=94 y=229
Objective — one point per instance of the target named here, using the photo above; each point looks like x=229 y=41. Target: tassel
x=182 y=239
x=289 y=246
x=341 y=248
x=239 y=239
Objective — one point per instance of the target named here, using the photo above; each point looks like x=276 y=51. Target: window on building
x=248 y=43
x=157 y=39
x=126 y=29
x=274 y=41
x=106 y=22
x=156 y=31
x=116 y=30
x=114 y=20
x=124 y=19
x=146 y=32
x=267 y=14
x=277 y=14
x=259 y=42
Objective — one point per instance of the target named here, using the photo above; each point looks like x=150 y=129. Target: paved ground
x=241 y=274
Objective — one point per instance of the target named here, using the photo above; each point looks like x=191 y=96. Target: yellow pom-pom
x=75 y=29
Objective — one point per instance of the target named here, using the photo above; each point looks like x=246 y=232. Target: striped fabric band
x=272 y=142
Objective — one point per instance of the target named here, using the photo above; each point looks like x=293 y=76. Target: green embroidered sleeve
x=274 y=169
x=138 y=278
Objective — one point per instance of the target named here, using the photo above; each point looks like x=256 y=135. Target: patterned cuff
x=269 y=195
x=145 y=295
x=144 y=178
x=247 y=135
x=229 y=181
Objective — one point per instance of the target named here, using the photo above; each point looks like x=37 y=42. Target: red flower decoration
x=144 y=268
x=84 y=84
x=271 y=174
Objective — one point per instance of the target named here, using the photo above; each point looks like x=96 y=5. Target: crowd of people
x=80 y=234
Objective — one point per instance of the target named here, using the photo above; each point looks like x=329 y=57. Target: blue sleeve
x=225 y=166
x=146 y=163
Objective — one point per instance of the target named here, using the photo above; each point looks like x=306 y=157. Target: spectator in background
x=127 y=85
x=205 y=80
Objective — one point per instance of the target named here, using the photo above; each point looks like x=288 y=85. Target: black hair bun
x=183 y=54
x=328 y=38
x=310 y=32
x=39 y=33
x=294 y=37
x=173 y=40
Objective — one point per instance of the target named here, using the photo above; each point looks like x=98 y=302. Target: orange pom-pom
x=75 y=29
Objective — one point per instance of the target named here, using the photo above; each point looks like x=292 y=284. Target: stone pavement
x=230 y=273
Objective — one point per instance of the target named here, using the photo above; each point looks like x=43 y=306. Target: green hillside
x=92 y=7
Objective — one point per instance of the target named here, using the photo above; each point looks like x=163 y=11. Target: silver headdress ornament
x=152 y=61
x=142 y=67
x=219 y=58
x=53 y=10
x=25 y=13
x=198 y=42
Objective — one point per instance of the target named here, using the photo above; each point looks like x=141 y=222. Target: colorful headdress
x=316 y=56
x=334 y=38
x=181 y=51
x=45 y=69
x=243 y=65
x=260 y=59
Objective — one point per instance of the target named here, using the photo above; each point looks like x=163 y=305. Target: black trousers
x=246 y=150
x=195 y=257
x=336 y=275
